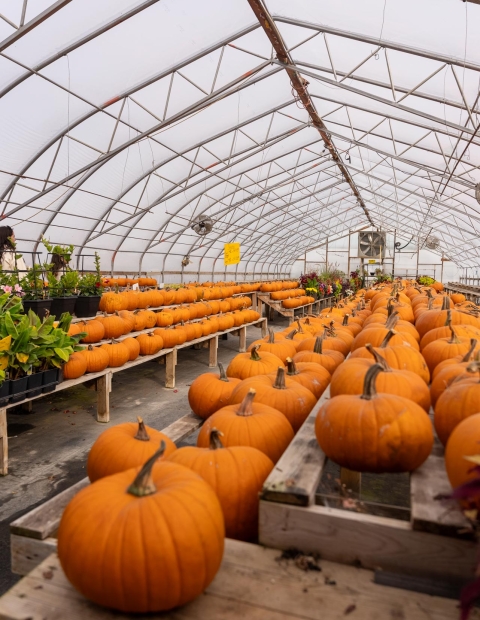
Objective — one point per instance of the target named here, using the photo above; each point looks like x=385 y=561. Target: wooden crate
x=33 y=536
x=437 y=540
x=252 y=583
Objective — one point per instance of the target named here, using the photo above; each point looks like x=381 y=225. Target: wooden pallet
x=437 y=541
x=33 y=536
x=272 y=306
x=472 y=293
x=103 y=380
x=252 y=583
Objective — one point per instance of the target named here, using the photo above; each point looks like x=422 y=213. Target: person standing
x=8 y=257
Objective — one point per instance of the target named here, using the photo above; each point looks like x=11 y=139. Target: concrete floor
x=48 y=448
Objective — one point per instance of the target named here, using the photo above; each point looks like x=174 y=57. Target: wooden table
x=252 y=583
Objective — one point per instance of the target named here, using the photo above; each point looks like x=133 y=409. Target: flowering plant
x=16 y=289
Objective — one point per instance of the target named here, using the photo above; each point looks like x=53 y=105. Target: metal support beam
x=300 y=86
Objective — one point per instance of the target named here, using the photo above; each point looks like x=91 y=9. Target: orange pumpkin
x=150 y=344
x=459 y=401
x=209 y=392
x=94 y=329
x=75 y=367
x=374 y=432
x=133 y=348
x=118 y=354
x=97 y=359
x=280 y=347
x=250 y=424
x=464 y=442
x=124 y=446
x=328 y=358
x=444 y=348
x=114 y=326
x=252 y=363
x=132 y=511
x=309 y=374
x=238 y=492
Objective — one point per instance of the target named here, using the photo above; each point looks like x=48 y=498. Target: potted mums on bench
x=90 y=292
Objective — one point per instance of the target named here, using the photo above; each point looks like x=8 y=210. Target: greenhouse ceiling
x=284 y=122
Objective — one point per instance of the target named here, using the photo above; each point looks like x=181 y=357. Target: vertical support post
x=351 y=479
x=441 y=271
x=104 y=387
x=348 y=259
x=305 y=264
x=3 y=442
x=254 y=300
x=418 y=259
x=212 y=352
x=326 y=255
x=242 y=347
x=394 y=242
x=170 y=369
x=264 y=328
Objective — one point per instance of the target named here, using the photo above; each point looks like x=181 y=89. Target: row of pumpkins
x=115 y=354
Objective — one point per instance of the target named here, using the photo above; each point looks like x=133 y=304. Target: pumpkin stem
x=300 y=330
x=215 y=441
x=345 y=320
x=271 y=336
x=469 y=353
x=392 y=320
x=379 y=359
x=453 y=335
x=389 y=309
x=246 y=408
x=291 y=367
x=318 y=347
x=388 y=337
x=369 y=384
x=223 y=374
x=254 y=353
x=142 y=434
x=143 y=484
x=291 y=334
x=280 y=379
x=446 y=303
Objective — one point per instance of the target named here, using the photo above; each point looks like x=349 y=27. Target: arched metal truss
x=293 y=127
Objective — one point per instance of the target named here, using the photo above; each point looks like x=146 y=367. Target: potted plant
x=21 y=356
x=62 y=281
x=35 y=294
x=90 y=292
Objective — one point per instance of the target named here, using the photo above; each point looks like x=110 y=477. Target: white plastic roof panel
x=122 y=120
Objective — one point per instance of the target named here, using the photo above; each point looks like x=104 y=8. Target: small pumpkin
x=132 y=511
x=236 y=474
x=150 y=344
x=118 y=354
x=374 y=432
x=252 y=363
x=95 y=331
x=210 y=392
x=464 y=442
x=97 y=359
x=124 y=446
x=164 y=319
x=445 y=348
x=75 y=367
x=289 y=397
x=114 y=326
x=280 y=347
x=327 y=358
x=309 y=374
x=133 y=348
x=250 y=424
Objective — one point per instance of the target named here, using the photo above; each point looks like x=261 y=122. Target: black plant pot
x=18 y=388
x=39 y=306
x=63 y=304
x=87 y=306
x=4 y=392
x=50 y=377
x=35 y=381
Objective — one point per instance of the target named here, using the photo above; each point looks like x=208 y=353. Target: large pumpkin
x=459 y=401
x=445 y=348
x=328 y=358
x=124 y=446
x=374 y=432
x=250 y=424
x=236 y=474
x=253 y=363
x=157 y=534
x=463 y=442
x=289 y=397
x=210 y=392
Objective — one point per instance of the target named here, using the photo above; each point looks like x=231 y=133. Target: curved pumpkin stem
x=271 y=336
x=215 y=441
x=379 y=359
x=291 y=334
x=299 y=330
x=142 y=434
x=254 y=353
x=223 y=374
x=468 y=355
x=345 y=320
x=291 y=367
x=318 y=348
x=392 y=320
x=388 y=337
x=369 y=384
x=280 y=379
x=246 y=408
x=143 y=484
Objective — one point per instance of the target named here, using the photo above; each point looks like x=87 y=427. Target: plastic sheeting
x=122 y=120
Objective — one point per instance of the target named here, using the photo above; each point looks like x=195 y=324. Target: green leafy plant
x=53 y=345
x=32 y=283
x=64 y=287
x=425 y=280
x=381 y=277
x=65 y=251
x=90 y=284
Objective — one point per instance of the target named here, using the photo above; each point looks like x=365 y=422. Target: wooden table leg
x=104 y=387
x=3 y=442
x=242 y=347
x=351 y=479
x=264 y=325
x=171 y=362
x=212 y=352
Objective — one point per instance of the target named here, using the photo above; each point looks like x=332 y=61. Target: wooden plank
x=295 y=478
x=171 y=362
x=251 y=583
x=183 y=427
x=104 y=387
x=3 y=442
x=27 y=553
x=213 y=352
x=242 y=333
x=365 y=540
x=429 y=514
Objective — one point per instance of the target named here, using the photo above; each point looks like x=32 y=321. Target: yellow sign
x=371 y=261
x=232 y=254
